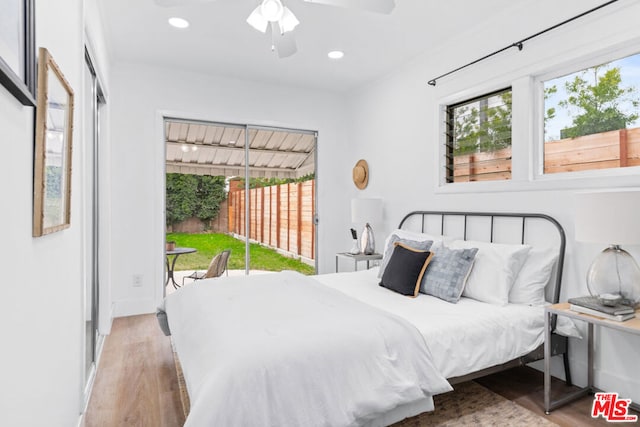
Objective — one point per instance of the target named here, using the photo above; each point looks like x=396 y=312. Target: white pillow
x=494 y=270
x=529 y=285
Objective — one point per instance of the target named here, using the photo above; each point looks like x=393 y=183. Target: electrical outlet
x=137 y=280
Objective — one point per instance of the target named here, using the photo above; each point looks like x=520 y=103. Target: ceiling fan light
x=288 y=21
x=178 y=22
x=257 y=21
x=272 y=10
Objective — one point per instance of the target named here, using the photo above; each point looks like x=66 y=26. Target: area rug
x=470 y=404
x=182 y=385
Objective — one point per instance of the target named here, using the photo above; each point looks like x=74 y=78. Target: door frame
x=185 y=118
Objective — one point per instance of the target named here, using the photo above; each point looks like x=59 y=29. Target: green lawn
x=208 y=245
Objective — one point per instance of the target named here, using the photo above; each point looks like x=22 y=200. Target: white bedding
x=284 y=350
x=463 y=337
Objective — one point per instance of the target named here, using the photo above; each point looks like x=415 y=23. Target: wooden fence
x=618 y=148
x=280 y=216
x=494 y=165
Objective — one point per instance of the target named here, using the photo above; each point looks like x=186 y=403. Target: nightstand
x=357 y=258
x=631 y=326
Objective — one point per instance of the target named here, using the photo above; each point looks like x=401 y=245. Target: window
x=591 y=118
x=479 y=138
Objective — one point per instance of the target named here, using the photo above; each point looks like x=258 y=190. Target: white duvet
x=285 y=350
x=463 y=337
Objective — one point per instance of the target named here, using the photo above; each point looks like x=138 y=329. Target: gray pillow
x=419 y=245
x=447 y=273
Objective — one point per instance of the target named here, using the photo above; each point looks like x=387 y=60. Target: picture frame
x=53 y=148
x=17 y=50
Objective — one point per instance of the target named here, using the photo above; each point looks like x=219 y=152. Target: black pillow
x=405 y=269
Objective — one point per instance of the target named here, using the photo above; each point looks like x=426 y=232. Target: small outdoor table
x=176 y=252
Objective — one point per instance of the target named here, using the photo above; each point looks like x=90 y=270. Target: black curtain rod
x=520 y=44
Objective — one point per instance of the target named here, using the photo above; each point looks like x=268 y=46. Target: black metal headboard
x=526 y=218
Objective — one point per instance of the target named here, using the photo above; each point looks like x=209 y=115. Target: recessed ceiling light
x=335 y=54
x=178 y=22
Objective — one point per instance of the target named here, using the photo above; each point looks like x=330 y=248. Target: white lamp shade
x=366 y=211
x=611 y=217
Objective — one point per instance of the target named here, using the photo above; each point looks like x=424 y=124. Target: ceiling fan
x=275 y=15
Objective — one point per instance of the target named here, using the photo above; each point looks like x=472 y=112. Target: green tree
x=193 y=196
x=210 y=193
x=598 y=97
x=479 y=127
x=181 y=197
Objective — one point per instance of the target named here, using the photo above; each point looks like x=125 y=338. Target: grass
x=262 y=258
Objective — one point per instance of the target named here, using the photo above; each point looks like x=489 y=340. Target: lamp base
x=367 y=241
x=615 y=271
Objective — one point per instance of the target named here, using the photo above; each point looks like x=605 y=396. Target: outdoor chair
x=217 y=266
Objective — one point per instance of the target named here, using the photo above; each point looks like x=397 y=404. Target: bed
x=337 y=349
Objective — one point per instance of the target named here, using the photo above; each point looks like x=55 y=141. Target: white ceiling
x=220 y=42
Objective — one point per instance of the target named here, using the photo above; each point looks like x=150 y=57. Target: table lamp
x=611 y=217
x=367 y=211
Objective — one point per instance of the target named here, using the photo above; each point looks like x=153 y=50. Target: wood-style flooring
x=136 y=383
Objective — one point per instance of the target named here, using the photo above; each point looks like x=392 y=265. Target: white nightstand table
x=631 y=326
x=357 y=258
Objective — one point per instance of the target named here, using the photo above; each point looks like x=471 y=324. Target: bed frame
x=490 y=223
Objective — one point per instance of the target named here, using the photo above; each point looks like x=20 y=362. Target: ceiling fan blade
x=379 y=6
x=284 y=44
x=173 y=3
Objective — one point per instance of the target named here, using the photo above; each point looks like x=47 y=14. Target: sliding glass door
x=266 y=216
x=93 y=101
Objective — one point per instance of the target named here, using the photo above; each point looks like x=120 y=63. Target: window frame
x=527 y=121
x=569 y=67
x=449 y=173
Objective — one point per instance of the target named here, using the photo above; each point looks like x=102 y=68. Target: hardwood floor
x=136 y=383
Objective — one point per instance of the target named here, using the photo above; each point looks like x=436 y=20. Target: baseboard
x=133 y=307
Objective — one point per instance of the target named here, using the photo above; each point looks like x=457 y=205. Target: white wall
x=395 y=125
x=140 y=96
x=42 y=303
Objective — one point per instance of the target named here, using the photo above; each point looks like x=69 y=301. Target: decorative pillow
x=530 y=282
x=447 y=273
x=494 y=270
x=419 y=237
x=405 y=270
x=424 y=245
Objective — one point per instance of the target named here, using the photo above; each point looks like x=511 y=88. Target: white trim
x=88 y=390
x=603 y=55
x=135 y=306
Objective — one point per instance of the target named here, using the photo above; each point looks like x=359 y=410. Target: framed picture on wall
x=17 y=49
x=52 y=165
